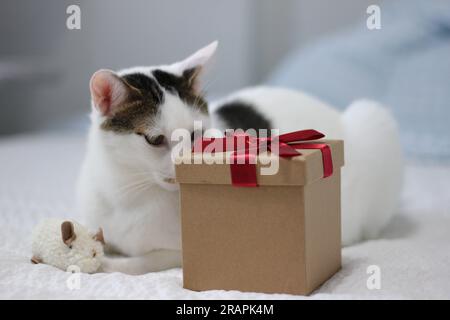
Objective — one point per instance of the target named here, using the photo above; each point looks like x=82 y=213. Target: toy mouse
x=63 y=243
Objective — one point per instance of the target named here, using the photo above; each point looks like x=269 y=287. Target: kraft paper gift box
x=281 y=236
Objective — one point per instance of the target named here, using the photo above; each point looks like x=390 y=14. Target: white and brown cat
x=127 y=179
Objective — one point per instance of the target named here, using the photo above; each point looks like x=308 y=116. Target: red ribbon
x=245 y=149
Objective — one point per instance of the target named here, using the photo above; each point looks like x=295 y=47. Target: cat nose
x=170 y=180
x=196 y=134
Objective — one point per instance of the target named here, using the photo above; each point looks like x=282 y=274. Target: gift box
x=248 y=231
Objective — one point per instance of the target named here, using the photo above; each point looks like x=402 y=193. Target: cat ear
x=201 y=57
x=193 y=65
x=108 y=91
x=67 y=232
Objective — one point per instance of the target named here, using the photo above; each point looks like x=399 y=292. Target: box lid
x=299 y=170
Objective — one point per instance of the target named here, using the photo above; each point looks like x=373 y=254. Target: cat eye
x=154 y=140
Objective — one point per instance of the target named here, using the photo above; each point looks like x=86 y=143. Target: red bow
x=245 y=148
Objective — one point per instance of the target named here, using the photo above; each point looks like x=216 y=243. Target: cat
x=127 y=181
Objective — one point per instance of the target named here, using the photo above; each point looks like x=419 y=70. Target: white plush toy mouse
x=63 y=243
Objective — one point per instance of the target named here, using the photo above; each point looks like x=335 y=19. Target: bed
x=37 y=178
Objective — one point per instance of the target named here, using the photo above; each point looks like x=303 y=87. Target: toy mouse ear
x=99 y=236
x=68 y=232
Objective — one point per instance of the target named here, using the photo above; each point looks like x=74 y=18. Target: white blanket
x=37 y=177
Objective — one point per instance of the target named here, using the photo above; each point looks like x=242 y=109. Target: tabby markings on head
x=146 y=95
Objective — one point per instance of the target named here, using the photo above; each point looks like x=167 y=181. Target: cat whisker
x=133 y=190
x=121 y=189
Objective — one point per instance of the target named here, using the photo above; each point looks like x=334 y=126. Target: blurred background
x=322 y=47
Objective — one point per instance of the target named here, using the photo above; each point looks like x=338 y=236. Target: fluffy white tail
x=372 y=175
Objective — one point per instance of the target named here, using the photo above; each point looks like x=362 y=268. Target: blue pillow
x=405 y=65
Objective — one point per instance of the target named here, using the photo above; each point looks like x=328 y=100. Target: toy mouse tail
x=151 y=262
